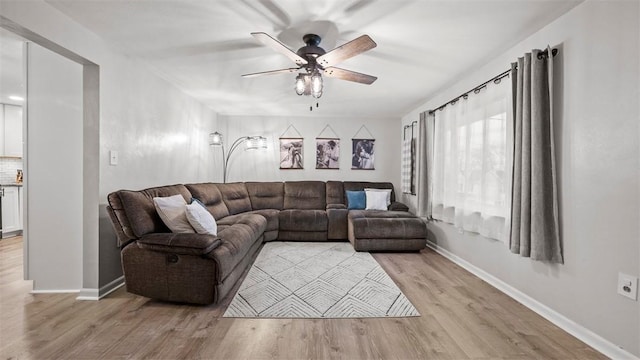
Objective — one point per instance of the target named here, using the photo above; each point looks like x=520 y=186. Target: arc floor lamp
x=252 y=143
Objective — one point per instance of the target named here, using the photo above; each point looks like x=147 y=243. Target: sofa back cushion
x=211 y=197
x=236 y=197
x=361 y=185
x=306 y=195
x=141 y=212
x=335 y=192
x=266 y=195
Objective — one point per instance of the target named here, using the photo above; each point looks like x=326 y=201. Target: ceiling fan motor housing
x=311 y=51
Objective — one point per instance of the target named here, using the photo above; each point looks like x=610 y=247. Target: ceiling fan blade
x=272 y=72
x=279 y=47
x=346 y=51
x=349 y=75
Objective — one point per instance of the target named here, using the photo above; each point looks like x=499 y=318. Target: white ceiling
x=204 y=46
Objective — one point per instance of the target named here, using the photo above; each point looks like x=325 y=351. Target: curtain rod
x=404 y=129
x=495 y=79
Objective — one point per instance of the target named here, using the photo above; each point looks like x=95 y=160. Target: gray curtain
x=425 y=156
x=534 y=211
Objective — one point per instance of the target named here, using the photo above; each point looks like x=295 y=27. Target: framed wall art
x=327 y=153
x=291 y=155
x=363 y=154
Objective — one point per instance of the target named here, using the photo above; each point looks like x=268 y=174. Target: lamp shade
x=215 y=139
x=256 y=142
x=316 y=85
x=300 y=84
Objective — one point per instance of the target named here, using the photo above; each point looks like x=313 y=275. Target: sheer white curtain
x=472 y=162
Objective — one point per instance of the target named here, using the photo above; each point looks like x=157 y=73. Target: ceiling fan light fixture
x=301 y=84
x=315 y=61
x=316 y=85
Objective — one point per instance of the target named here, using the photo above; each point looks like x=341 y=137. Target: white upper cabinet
x=11 y=131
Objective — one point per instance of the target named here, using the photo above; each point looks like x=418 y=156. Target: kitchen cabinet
x=11 y=130
x=11 y=210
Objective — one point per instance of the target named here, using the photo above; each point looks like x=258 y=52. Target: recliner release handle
x=172 y=258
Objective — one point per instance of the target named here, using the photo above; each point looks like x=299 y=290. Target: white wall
x=598 y=137
x=160 y=133
x=264 y=165
x=54 y=171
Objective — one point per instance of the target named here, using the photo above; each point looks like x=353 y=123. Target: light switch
x=113 y=157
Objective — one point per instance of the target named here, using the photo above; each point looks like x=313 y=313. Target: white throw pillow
x=376 y=200
x=201 y=219
x=386 y=191
x=172 y=211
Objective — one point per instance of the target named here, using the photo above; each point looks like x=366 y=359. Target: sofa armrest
x=398 y=206
x=178 y=243
x=336 y=206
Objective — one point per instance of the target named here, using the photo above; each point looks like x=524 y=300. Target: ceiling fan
x=313 y=62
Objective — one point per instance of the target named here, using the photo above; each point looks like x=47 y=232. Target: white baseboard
x=63 y=291
x=111 y=287
x=97 y=294
x=592 y=339
x=88 y=294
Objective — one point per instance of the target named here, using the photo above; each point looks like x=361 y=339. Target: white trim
x=60 y=291
x=95 y=294
x=592 y=339
x=111 y=287
x=88 y=294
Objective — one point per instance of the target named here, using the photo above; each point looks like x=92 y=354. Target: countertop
x=10 y=184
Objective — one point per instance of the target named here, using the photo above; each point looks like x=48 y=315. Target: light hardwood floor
x=462 y=318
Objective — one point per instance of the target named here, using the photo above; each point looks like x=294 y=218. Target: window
x=472 y=167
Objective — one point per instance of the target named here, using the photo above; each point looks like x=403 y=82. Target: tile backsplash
x=8 y=170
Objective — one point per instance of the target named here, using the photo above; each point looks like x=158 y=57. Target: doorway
x=61 y=162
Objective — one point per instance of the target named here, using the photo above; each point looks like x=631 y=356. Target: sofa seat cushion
x=303 y=220
x=238 y=235
x=256 y=222
x=379 y=224
x=272 y=216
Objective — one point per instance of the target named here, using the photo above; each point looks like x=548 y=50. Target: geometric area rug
x=317 y=280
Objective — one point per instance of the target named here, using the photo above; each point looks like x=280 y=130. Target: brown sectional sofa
x=202 y=269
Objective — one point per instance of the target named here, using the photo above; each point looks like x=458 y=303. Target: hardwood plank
x=462 y=317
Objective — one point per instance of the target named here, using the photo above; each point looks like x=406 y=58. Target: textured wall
x=160 y=133
x=598 y=136
x=54 y=182
x=264 y=165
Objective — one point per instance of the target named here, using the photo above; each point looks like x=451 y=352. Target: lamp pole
x=257 y=142
x=233 y=147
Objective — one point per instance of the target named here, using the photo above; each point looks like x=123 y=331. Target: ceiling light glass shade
x=300 y=84
x=256 y=142
x=316 y=85
x=215 y=139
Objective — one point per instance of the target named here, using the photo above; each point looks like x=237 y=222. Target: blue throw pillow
x=356 y=200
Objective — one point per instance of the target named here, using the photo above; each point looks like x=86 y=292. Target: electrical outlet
x=628 y=286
